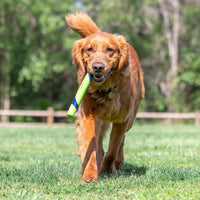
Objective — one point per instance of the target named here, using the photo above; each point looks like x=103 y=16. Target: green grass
x=161 y=162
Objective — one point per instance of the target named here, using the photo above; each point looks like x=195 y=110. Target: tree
x=170 y=12
x=188 y=79
x=7 y=29
x=36 y=68
x=34 y=51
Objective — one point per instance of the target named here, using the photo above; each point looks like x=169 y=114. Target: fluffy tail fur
x=82 y=24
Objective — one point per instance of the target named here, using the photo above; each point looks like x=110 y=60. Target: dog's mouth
x=100 y=78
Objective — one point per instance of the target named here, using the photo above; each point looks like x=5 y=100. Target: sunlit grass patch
x=161 y=162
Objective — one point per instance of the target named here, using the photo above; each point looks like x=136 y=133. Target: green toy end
x=72 y=110
x=79 y=95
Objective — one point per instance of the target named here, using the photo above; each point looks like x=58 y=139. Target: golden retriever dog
x=113 y=96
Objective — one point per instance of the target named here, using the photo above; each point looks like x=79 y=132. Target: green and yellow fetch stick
x=79 y=95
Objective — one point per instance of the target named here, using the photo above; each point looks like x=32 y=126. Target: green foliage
x=35 y=50
x=188 y=80
x=161 y=162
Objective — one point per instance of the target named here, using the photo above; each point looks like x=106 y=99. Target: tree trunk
x=6 y=21
x=172 y=35
x=5 y=88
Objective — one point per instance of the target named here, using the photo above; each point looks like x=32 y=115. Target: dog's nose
x=98 y=67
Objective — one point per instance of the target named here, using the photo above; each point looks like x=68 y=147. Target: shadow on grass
x=129 y=169
x=126 y=171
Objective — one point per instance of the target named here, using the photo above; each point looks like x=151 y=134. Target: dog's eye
x=90 y=49
x=109 y=49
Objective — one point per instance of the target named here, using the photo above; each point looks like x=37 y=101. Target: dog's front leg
x=87 y=137
x=115 y=151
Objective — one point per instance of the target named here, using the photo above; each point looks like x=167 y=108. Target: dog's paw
x=107 y=164
x=118 y=165
x=90 y=176
x=106 y=168
x=90 y=173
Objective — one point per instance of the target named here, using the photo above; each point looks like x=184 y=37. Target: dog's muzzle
x=101 y=78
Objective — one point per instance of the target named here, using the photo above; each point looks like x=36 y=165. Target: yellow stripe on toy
x=79 y=95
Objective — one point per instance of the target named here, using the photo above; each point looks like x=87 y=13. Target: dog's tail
x=82 y=24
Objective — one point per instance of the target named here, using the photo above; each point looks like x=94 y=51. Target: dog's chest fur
x=115 y=102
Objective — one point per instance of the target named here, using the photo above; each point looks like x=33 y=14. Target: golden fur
x=113 y=95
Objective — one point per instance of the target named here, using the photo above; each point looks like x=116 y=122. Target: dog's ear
x=124 y=51
x=77 y=54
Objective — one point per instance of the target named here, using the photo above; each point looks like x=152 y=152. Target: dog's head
x=99 y=54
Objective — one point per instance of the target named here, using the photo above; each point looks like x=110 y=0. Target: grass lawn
x=161 y=162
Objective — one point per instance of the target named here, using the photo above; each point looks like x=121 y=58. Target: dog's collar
x=111 y=92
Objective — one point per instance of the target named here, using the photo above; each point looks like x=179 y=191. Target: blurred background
x=36 y=70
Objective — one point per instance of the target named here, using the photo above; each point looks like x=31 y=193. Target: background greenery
x=161 y=162
x=36 y=68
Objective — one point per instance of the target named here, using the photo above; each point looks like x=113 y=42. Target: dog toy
x=79 y=95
